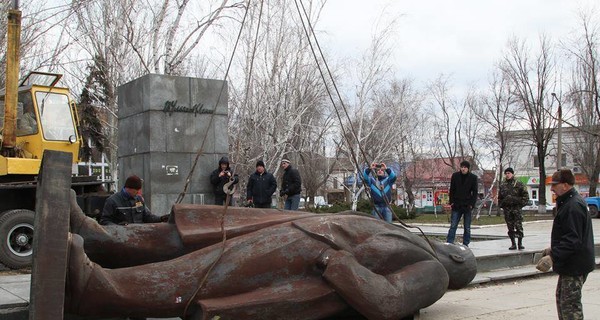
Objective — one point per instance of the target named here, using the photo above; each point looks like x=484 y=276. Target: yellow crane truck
x=37 y=115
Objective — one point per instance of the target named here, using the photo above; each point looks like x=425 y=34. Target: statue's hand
x=324 y=259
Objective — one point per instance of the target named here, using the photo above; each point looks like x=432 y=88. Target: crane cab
x=46 y=119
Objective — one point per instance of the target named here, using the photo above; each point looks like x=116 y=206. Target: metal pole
x=13 y=38
x=559 y=134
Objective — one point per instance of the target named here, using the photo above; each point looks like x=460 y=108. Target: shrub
x=363 y=206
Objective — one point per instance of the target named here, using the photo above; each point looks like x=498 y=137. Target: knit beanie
x=133 y=182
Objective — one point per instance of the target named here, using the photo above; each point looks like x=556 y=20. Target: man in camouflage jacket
x=511 y=198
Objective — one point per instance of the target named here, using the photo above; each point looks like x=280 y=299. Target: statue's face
x=458 y=261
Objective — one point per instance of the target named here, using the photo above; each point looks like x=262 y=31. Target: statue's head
x=458 y=261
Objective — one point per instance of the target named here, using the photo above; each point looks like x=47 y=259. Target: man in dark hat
x=291 y=186
x=463 y=195
x=219 y=178
x=127 y=206
x=512 y=196
x=571 y=252
x=261 y=186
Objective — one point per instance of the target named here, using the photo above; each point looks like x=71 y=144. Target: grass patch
x=484 y=219
x=442 y=218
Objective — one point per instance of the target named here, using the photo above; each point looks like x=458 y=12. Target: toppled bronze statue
x=273 y=265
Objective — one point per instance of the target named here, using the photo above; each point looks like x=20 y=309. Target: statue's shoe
x=83 y=225
x=79 y=270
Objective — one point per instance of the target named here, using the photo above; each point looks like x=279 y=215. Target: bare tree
x=132 y=38
x=368 y=120
x=497 y=112
x=281 y=108
x=531 y=82
x=583 y=96
x=34 y=35
x=402 y=103
x=451 y=122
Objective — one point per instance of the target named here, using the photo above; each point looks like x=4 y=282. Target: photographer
x=219 y=178
x=380 y=187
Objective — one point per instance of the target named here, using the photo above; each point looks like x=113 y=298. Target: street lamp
x=559 y=143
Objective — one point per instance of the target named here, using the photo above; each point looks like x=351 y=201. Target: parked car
x=533 y=204
x=593 y=205
x=319 y=202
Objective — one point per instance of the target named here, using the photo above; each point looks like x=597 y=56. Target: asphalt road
x=522 y=299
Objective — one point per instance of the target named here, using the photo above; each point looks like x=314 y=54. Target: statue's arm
x=390 y=296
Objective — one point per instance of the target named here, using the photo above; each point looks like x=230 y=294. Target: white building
x=522 y=157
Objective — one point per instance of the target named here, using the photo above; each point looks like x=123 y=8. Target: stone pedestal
x=163 y=121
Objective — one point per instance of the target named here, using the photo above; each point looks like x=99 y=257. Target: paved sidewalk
x=520 y=299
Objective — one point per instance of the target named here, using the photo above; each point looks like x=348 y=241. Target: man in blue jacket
x=380 y=180
x=261 y=186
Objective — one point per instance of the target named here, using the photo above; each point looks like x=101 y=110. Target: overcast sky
x=462 y=38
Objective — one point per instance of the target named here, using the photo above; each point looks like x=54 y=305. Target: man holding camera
x=127 y=206
x=380 y=186
x=221 y=176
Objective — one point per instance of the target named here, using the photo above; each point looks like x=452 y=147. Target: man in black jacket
x=261 y=186
x=221 y=176
x=571 y=252
x=127 y=206
x=291 y=186
x=463 y=195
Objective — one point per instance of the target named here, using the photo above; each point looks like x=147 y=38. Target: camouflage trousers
x=514 y=222
x=568 y=297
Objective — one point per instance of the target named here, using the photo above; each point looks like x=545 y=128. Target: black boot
x=521 y=243
x=514 y=245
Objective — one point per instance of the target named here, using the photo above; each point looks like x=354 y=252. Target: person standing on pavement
x=221 y=176
x=127 y=206
x=571 y=252
x=463 y=195
x=380 y=188
x=261 y=186
x=291 y=186
x=512 y=197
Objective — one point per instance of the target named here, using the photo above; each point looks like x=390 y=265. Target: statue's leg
x=125 y=246
x=149 y=290
x=268 y=259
